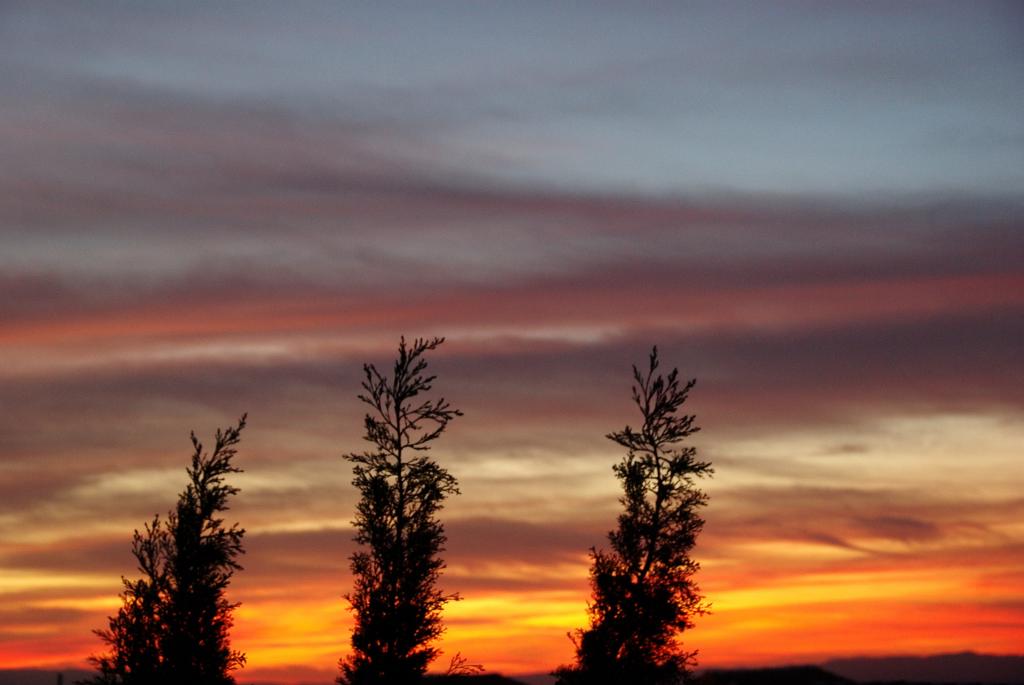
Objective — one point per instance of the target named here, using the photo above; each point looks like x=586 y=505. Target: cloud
x=901 y=528
x=173 y=255
x=896 y=525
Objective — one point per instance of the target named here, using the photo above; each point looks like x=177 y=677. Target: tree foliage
x=174 y=622
x=395 y=599
x=644 y=593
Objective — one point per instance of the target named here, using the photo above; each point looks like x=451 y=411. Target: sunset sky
x=816 y=209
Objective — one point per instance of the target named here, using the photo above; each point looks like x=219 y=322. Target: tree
x=133 y=634
x=644 y=593
x=395 y=599
x=203 y=558
x=174 y=622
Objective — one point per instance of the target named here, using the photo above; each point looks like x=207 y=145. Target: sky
x=815 y=209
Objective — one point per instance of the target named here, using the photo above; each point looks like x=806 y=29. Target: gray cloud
x=840 y=516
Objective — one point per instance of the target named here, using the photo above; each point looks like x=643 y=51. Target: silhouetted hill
x=488 y=679
x=38 y=676
x=537 y=679
x=34 y=676
x=788 y=675
x=966 y=667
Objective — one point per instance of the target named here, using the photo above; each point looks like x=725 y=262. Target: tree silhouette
x=174 y=622
x=134 y=632
x=644 y=594
x=395 y=599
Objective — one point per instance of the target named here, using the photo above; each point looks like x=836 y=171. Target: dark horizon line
x=968 y=653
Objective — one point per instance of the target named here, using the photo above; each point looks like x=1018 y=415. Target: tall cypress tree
x=644 y=593
x=201 y=561
x=174 y=623
x=395 y=599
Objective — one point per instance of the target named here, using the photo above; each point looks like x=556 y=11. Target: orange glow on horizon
x=848 y=612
